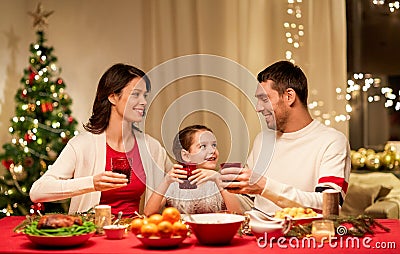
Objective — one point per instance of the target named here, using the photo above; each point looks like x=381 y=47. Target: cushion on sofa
x=360 y=196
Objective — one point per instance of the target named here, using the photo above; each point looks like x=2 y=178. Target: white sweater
x=71 y=175
x=296 y=163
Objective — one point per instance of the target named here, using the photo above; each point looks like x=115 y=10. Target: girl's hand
x=201 y=175
x=109 y=180
x=175 y=174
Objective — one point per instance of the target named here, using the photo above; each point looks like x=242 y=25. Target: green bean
x=86 y=227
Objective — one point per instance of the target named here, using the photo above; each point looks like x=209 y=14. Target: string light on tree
x=41 y=127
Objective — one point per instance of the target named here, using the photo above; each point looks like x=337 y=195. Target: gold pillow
x=360 y=196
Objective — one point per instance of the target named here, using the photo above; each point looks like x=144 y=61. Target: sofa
x=376 y=194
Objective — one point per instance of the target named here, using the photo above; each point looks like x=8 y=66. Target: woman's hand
x=201 y=175
x=109 y=180
x=175 y=174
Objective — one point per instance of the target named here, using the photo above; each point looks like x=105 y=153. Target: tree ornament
x=46 y=107
x=37 y=209
x=31 y=107
x=70 y=119
x=43 y=164
x=40 y=17
x=59 y=81
x=28 y=162
x=31 y=77
x=28 y=137
x=24 y=94
x=7 y=163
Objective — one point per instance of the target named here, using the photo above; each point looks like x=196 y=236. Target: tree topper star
x=40 y=17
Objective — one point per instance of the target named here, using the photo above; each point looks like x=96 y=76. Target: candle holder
x=322 y=230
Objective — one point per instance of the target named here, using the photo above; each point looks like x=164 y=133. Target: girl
x=194 y=144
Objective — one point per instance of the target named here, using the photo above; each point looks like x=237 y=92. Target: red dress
x=125 y=199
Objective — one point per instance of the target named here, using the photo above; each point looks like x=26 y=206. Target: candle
x=102 y=217
x=322 y=230
x=330 y=203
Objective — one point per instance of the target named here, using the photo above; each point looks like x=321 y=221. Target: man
x=308 y=157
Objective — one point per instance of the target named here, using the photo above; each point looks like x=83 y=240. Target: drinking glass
x=231 y=165
x=122 y=165
x=189 y=167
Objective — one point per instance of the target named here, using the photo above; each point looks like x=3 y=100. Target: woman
x=82 y=171
x=194 y=144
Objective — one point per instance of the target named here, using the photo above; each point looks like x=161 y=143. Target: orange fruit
x=136 y=224
x=165 y=229
x=155 y=218
x=171 y=214
x=149 y=229
x=179 y=229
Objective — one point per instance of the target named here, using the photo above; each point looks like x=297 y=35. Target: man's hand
x=242 y=180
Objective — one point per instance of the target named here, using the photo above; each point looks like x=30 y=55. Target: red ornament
x=70 y=119
x=24 y=93
x=37 y=208
x=28 y=137
x=7 y=163
x=49 y=106
x=31 y=75
x=46 y=106
x=59 y=81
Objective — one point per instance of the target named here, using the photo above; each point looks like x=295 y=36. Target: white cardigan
x=71 y=175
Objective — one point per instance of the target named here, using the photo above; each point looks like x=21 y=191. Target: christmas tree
x=40 y=129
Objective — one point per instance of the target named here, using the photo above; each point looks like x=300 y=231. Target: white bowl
x=115 y=232
x=262 y=227
x=214 y=228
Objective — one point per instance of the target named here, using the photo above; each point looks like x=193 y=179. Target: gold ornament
x=43 y=165
x=40 y=17
x=390 y=148
x=357 y=160
x=373 y=162
x=388 y=160
x=31 y=107
x=363 y=151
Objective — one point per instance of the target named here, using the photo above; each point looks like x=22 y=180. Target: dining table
x=380 y=242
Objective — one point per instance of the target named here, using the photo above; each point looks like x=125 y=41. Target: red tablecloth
x=18 y=243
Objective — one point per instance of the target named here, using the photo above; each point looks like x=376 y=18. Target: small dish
x=115 y=232
x=162 y=243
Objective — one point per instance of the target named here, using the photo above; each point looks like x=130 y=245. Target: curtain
x=251 y=34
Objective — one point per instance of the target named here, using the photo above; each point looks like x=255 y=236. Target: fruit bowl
x=214 y=228
x=159 y=242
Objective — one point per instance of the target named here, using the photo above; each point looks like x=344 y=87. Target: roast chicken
x=58 y=221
